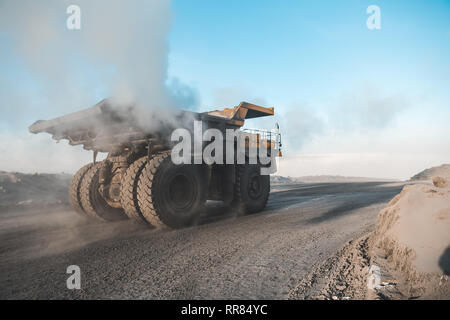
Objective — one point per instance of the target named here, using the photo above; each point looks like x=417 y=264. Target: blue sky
x=286 y=50
x=350 y=100
x=319 y=57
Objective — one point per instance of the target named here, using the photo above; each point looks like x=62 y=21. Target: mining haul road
x=259 y=256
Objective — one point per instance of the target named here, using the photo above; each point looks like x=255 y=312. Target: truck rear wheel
x=92 y=201
x=128 y=190
x=74 y=189
x=170 y=194
x=251 y=189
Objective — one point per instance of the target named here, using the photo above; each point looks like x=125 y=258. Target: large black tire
x=171 y=195
x=251 y=189
x=128 y=190
x=92 y=201
x=74 y=189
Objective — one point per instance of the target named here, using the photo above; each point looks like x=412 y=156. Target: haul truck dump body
x=139 y=180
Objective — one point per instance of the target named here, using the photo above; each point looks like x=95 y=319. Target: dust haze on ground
x=19 y=191
x=278 y=180
x=258 y=256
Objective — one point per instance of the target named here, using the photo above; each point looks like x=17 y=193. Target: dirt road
x=260 y=256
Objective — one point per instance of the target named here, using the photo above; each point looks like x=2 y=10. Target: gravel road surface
x=261 y=256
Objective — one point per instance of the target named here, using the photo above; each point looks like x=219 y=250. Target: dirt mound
x=274 y=180
x=340 y=277
x=428 y=174
x=440 y=182
x=406 y=257
x=413 y=236
x=19 y=190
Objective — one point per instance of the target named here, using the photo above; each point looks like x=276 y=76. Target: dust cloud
x=120 y=52
x=59 y=230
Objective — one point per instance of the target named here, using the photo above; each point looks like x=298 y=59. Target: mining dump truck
x=138 y=178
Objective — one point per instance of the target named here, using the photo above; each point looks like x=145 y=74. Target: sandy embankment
x=412 y=239
x=406 y=257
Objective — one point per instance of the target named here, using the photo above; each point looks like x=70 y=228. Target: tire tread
x=128 y=189
x=74 y=189
x=146 y=201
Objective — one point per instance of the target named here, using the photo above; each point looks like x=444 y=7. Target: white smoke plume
x=121 y=51
x=123 y=43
